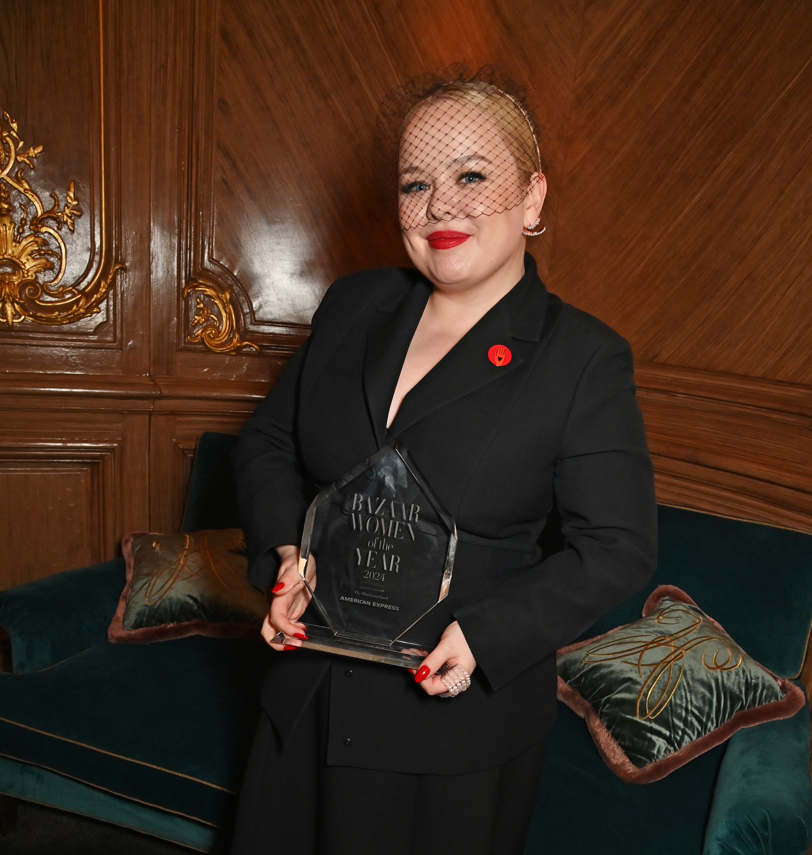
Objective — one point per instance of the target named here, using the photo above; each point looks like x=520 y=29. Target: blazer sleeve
x=604 y=490
x=270 y=483
x=267 y=470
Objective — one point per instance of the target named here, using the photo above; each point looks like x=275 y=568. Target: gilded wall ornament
x=33 y=256
x=214 y=320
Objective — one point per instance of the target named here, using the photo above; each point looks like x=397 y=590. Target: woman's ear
x=534 y=199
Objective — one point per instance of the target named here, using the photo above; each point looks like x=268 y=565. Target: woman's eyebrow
x=467 y=158
x=457 y=161
x=410 y=170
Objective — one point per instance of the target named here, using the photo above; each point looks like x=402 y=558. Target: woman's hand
x=288 y=599
x=453 y=649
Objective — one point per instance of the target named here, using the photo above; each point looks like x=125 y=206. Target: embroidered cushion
x=659 y=691
x=187 y=584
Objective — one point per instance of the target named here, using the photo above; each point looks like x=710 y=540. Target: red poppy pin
x=499 y=355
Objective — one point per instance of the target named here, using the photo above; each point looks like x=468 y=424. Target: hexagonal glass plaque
x=384 y=550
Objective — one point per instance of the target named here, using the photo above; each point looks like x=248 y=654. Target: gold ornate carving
x=32 y=253
x=214 y=320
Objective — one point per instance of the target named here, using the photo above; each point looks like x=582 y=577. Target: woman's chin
x=445 y=267
x=450 y=267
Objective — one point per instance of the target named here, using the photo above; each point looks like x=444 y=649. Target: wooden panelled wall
x=212 y=158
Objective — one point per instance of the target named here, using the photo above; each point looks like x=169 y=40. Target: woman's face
x=462 y=200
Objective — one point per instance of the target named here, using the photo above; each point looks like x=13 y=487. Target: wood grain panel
x=183 y=41
x=730 y=459
x=296 y=91
x=790 y=398
x=72 y=484
x=66 y=497
x=685 y=208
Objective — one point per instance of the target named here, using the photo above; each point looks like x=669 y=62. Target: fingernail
x=422 y=674
x=290 y=647
x=277 y=587
x=300 y=635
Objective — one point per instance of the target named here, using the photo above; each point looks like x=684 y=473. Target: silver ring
x=464 y=676
x=456 y=680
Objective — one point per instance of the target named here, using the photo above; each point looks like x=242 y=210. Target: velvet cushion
x=657 y=692
x=187 y=584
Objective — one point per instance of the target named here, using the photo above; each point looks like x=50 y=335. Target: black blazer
x=557 y=430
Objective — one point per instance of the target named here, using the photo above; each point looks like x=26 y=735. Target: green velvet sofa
x=154 y=736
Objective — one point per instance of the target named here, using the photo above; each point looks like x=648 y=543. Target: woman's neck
x=460 y=308
x=448 y=316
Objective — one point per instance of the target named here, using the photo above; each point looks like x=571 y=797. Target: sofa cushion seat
x=167 y=724
x=583 y=807
x=751 y=794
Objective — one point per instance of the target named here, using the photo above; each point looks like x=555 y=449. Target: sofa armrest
x=54 y=618
x=762 y=803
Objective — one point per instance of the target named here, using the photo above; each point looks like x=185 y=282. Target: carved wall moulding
x=213 y=319
x=241 y=322
x=33 y=255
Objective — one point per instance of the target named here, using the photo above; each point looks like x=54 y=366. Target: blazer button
x=348 y=742
x=348 y=672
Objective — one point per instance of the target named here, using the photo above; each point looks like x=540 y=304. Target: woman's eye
x=472 y=177
x=414 y=187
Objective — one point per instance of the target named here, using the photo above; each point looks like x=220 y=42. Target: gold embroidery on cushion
x=174 y=570
x=224 y=573
x=662 y=657
x=168 y=574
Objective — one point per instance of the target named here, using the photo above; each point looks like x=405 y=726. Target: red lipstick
x=446 y=240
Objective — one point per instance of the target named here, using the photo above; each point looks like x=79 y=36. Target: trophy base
x=400 y=653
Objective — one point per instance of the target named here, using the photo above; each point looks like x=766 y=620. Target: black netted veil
x=454 y=145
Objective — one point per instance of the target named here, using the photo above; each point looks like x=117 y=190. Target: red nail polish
x=290 y=647
x=300 y=635
x=422 y=674
x=277 y=587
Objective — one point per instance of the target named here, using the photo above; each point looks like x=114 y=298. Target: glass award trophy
x=384 y=551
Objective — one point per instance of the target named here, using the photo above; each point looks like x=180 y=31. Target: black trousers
x=291 y=801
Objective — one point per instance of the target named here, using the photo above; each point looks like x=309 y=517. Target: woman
x=517 y=408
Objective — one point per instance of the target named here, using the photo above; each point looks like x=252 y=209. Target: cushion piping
x=107 y=790
x=113 y=754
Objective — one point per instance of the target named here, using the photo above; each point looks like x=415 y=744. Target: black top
x=502 y=446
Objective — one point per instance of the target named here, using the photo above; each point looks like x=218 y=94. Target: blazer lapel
x=515 y=321
x=388 y=340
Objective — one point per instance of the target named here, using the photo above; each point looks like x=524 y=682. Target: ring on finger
x=456 y=679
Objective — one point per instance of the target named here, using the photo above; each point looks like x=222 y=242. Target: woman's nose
x=443 y=202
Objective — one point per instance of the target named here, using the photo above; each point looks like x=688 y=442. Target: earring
x=529 y=230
